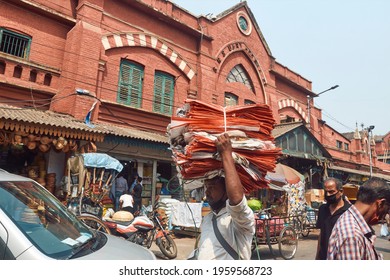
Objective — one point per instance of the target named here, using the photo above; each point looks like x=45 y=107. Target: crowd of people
x=345 y=229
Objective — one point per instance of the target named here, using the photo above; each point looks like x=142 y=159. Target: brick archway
x=239 y=46
x=285 y=103
x=147 y=41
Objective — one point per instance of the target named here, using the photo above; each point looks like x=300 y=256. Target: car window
x=5 y=253
x=42 y=218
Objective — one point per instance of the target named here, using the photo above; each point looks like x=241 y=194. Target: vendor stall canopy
x=285 y=174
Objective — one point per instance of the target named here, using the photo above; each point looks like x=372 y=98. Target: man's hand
x=234 y=188
x=223 y=144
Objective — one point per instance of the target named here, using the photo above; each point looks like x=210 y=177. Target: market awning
x=360 y=172
x=55 y=124
x=47 y=122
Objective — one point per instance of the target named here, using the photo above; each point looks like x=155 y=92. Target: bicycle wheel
x=288 y=242
x=94 y=223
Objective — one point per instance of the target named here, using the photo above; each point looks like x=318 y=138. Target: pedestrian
x=233 y=218
x=352 y=237
x=137 y=196
x=126 y=202
x=121 y=187
x=328 y=213
x=134 y=182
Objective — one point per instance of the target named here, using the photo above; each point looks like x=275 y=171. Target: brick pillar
x=81 y=64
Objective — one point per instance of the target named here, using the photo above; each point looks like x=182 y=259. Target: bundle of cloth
x=195 y=127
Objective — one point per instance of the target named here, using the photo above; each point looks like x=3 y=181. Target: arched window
x=230 y=99
x=47 y=79
x=33 y=76
x=239 y=75
x=249 y=102
x=18 y=71
x=2 y=67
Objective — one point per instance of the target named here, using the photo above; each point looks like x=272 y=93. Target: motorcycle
x=143 y=230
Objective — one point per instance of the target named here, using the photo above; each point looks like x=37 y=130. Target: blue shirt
x=121 y=185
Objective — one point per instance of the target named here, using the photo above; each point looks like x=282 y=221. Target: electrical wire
x=108 y=90
x=109 y=28
x=93 y=83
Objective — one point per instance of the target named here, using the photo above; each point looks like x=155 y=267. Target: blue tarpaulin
x=100 y=160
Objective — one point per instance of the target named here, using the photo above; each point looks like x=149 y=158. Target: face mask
x=216 y=206
x=332 y=199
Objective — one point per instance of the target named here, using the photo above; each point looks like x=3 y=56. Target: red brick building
x=133 y=63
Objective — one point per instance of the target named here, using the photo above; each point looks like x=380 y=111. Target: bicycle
x=304 y=221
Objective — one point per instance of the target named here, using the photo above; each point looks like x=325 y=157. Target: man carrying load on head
x=231 y=215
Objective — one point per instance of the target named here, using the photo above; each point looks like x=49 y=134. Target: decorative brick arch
x=292 y=103
x=147 y=41
x=239 y=46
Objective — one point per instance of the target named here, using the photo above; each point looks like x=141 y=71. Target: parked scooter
x=143 y=230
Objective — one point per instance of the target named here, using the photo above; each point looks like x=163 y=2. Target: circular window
x=244 y=23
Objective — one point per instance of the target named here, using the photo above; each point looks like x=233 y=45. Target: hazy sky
x=332 y=42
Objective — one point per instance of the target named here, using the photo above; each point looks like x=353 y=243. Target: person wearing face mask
x=352 y=237
x=230 y=212
x=328 y=213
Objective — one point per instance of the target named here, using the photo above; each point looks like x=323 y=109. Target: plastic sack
x=384 y=230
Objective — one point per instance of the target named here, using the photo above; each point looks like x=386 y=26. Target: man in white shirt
x=126 y=203
x=234 y=218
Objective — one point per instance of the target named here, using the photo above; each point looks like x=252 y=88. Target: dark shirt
x=326 y=222
x=137 y=191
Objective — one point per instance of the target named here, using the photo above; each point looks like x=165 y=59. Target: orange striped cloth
x=193 y=131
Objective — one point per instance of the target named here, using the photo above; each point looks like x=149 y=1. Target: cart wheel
x=288 y=242
x=94 y=223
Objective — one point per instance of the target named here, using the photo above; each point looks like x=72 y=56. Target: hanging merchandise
x=296 y=198
x=195 y=128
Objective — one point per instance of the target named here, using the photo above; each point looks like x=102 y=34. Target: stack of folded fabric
x=195 y=128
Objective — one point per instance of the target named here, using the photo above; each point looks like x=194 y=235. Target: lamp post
x=369 y=130
x=309 y=98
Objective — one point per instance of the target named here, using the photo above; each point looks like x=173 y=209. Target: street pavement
x=306 y=250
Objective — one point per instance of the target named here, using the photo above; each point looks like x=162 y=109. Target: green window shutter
x=158 y=93
x=130 y=84
x=163 y=93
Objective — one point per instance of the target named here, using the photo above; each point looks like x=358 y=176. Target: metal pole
x=369 y=151
x=308 y=110
x=309 y=99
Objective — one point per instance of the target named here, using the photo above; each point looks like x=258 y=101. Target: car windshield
x=43 y=219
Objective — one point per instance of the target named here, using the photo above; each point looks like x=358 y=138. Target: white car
x=35 y=225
